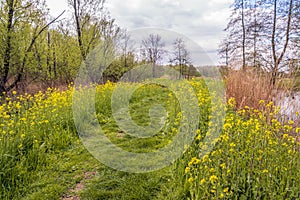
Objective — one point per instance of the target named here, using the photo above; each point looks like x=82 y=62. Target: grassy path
x=73 y=173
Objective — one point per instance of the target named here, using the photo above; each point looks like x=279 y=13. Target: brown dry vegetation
x=248 y=87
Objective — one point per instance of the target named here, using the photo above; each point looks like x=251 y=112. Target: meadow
x=248 y=154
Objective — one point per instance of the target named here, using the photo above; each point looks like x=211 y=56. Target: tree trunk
x=153 y=70
x=8 y=47
x=255 y=35
x=49 y=54
x=54 y=63
x=274 y=68
x=277 y=59
x=78 y=27
x=244 y=36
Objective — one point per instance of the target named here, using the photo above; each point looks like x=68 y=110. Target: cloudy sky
x=201 y=21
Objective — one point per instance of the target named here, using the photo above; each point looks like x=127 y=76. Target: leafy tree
x=87 y=17
x=22 y=24
x=118 y=68
x=65 y=57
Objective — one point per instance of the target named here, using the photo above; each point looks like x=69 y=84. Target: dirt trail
x=73 y=193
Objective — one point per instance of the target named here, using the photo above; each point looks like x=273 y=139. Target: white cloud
x=57 y=6
x=202 y=21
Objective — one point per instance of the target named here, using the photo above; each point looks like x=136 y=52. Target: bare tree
x=254 y=31
x=152 y=50
x=237 y=32
x=241 y=4
x=181 y=55
x=224 y=51
x=280 y=34
x=260 y=34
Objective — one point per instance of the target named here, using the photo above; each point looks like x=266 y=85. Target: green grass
x=64 y=171
x=57 y=179
x=111 y=184
x=42 y=157
x=289 y=83
x=50 y=142
x=297 y=84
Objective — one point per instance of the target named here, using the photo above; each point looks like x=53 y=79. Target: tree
x=181 y=55
x=152 y=50
x=124 y=46
x=87 y=17
x=266 y=29
x=65 y=57
x=117 y=68
x=126 y=52
x=22 y=24
x=280 y=37
x=247 y=35
x=255 y=31
x=224 y=51
x=241 y=4
x=236 y=29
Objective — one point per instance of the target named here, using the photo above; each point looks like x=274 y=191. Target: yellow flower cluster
x=254 y=146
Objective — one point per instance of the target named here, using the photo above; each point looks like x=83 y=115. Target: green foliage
x=119 y=67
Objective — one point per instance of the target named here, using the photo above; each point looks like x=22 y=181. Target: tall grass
x=30 y=128
x=248 y=87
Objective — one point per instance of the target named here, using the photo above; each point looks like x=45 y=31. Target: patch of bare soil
x=73 y=193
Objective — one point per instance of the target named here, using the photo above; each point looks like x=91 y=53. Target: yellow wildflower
x=232 y=144
x=187 y=170
x=190 y=180
x=226 y=190
x=213 y=179
x=203 y=181
x=223 y=165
